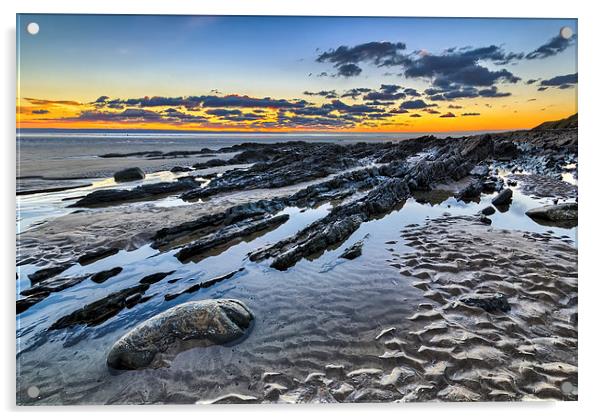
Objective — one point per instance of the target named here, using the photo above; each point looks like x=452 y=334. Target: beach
x=434 y=268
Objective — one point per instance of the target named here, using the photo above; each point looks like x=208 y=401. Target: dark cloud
x=415 y=116
x=386 y=93
x=531 y=81
x=349 y=70
x=379 y=103
x=411 y=92
x=415 y=104
x=220 y=112
x=432 y=111
x=554 y=46
x=101 y=99
x=355 y=92
x=448 y=115
x=452 y=106
x=35 y=101
x=237 y=101
x=351 y=109
x=471 y=114
x=345 y=59
x=328 y=94
x=492 y=92
x=40 y=111
x=562 y=82
x=130 y=114
x=207 y=101
x=157 y=101
x=462 y=67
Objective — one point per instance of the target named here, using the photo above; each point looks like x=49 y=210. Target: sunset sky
x=294 y=73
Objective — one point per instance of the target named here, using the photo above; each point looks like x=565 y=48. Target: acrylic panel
x=281 y=209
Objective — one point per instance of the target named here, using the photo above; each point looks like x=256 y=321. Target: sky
x=250 y=73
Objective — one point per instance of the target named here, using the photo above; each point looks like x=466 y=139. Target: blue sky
x=82 y=57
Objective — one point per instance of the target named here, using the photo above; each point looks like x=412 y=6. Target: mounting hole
x=33 y=28
x=33 y=392
x=566 y=32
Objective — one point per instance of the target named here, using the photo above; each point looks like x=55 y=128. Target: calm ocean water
x=40 y=145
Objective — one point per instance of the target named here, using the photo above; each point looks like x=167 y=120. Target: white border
x=590 y=153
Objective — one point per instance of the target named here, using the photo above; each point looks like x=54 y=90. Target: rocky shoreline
x=482 y=286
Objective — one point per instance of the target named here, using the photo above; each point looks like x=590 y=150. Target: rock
x=103 y=276
x=46 y=273
x=353 y=251
x=177 y=169
x=203 y=285
x=489 y=302
x=471 y=192
x=207 y=322
x=512 y=182
x=488 y=211
x=154 y=278
x=99 y=311
x=503 y=198
x=99 y=254
x=143 y=192
x=334 y=228
x=129 y=174
x=555 y=213
x=132 y=300
x=228 y=234
x=484 y=219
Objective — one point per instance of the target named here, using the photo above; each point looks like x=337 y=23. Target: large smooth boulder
x=129 y=174
x=202 y=323
x=556 y=213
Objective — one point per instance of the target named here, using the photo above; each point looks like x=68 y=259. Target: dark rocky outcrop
x=129 y=174
x=154 y=278
x=202 y=323
x=488 y=211
x=203 y=285
x=230 y=233
x=177 y=169
x=472 y=192
x=103 y=276
x=99 y=311
x=336 y=227
x=46 y=273
x=292 y=167
x=143 y=192
x=96 y=255
x=353 y=251
x=43 y=289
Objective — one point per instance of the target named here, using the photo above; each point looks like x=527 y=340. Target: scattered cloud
x=561 y=82
x=554 y=46
x=415 y=104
